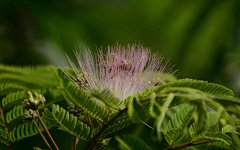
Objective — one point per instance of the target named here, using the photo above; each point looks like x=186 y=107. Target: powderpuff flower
x=123 y=70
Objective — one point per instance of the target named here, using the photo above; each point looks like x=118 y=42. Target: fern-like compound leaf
x=108 y=98
x=136 y=111
x=4 y=138
x=177 y=132
x=15 y=98
x=31 y=77
x=15 y=113
x=9 y=88
x=115 y=127
x=74 y=94
x=203 y=86
x=164 y=109
x=182 y=117
x=25 y=130
x=213 y=122
x=132 y=143
x=66 y=122
x=217 y=136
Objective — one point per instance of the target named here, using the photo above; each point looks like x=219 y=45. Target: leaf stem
x=40 y=132
x=75 y=141
x=98 y=146
x=103 y=128
x=45 y=128
x=189 y=144
x=90 y=122
x=5 y=128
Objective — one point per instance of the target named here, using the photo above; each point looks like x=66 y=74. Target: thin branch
x=98 y=146
x=103 y=128
x=189 y=144
x=5 y=127
x=45 y=128
x=75 y=142
x=90 y=122
x=40 y=132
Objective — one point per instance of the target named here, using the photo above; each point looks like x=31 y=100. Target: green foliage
x=215 y=137
x=136 y=111
x=164 y=109
x=203 y=86
x=179 y=109
x=108 y=98
x=66 y=122
x=15 y=82
x=177 y=127
x=131 y=143
x=25 y=130
x=4 y=137
x=16 y=112
x=115 y=127
x=182 y=117
x=74 y=94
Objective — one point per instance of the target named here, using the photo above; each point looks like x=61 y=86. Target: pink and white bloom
x=123 y=70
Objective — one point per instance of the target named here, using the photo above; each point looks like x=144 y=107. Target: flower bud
x=34 y=101
x=74 y=110
x=29 y=115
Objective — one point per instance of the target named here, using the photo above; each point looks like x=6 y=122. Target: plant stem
x=103 y=128
x=40 y=132
x=90 y=122
x=75 y=142
x=45 y=128
x=189 y=144
x=98 y=146
x=5 y=128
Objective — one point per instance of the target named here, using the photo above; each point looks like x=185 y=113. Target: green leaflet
x=9 y=87
x=31 y=77
x=108 y=98
x=213 y=146
x=182 y=117
x=16 y=112
x=74 y=94
x=164 y=109
x=220 y=109
x=66 y=122
x=15 y=98
x=213 y=122
x=131 y=143
x=136 y=111
x=203 y=120
x=115 y=127
x=228 y=128
x=154 y=108
x=217 y=136
x=4 y=138
x=177 y=131
x=203 y=86
x=25 y=130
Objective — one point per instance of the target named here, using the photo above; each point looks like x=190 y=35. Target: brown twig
x=98 y=146
x=45 y=128
x=189 y=144
x=103 y=128
x=90 y=122
x=40 y=132
x=5 y=128
x=74 y=145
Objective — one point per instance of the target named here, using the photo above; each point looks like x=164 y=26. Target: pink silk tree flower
x=123 y=70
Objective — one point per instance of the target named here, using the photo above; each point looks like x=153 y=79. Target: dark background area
x=201 y=37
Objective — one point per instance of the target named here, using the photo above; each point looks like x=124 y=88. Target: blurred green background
x=201 y=37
